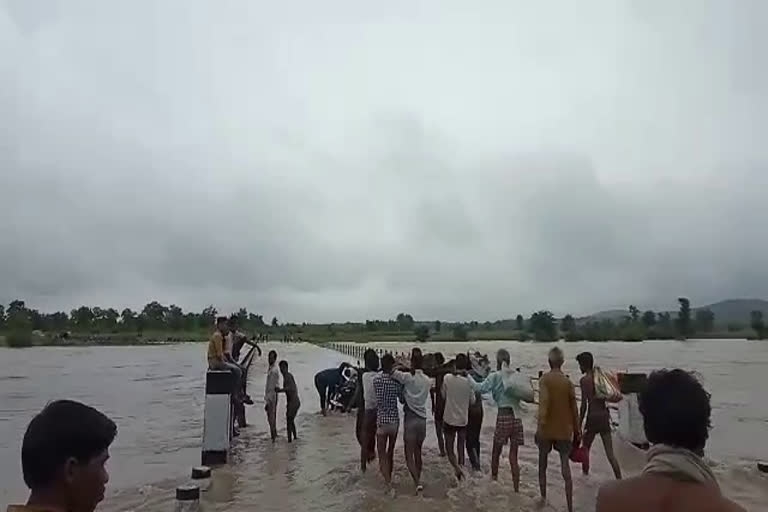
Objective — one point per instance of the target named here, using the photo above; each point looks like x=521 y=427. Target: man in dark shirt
x=326 y=382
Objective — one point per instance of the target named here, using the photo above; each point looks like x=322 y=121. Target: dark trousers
x=473 y=440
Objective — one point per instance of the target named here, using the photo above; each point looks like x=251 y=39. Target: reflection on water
x=155 y=394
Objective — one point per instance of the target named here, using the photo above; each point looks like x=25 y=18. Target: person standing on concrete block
x=270 y=393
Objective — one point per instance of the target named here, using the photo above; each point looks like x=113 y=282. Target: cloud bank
x=349 y=161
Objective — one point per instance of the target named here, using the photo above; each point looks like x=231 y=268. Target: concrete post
x=217 y=417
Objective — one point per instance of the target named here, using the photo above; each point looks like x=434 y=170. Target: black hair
x=586 y=359
x=676 y=410
x=387 y=362
x=283 y=364
x=417 y=359
x=64 y=429
x=221 y=319
x=439 y=359
x=462 y=362
x=371 y=359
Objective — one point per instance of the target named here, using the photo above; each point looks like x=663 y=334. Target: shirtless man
x=595 y=410
x=676 y=415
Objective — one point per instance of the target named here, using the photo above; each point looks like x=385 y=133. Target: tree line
x=541 y=325
x=153 y=317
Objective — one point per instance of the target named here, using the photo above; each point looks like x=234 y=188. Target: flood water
x=155 y=394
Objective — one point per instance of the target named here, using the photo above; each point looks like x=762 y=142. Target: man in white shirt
x=416 y=387
x=366 y=409
x=270 y=394
x=459 y=395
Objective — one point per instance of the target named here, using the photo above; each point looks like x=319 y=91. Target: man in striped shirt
x=387 y=391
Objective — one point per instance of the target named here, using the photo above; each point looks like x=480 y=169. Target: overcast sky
x=343 y=160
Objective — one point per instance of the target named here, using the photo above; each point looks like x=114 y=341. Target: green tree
x=404 y=321
x=58 y=321
x=438 y=325
x=520 y=323
x=684 y=317
x=758 y=324
x=705 y=320
x=460 y=333
x=175 y=317
x=634 y=313
x=17 y=316
x=543 y=326
x=371 y=326
x=208 y=317
x=256 y=321
x=82 y=318
x=2 y=316
x=649 y=319
x=422 y=333
x=127 y=319
x=154 y=315
x=241 y=317
x=567 y=324
x=275 y=323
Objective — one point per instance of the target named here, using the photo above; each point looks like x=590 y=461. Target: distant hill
x=726 y=312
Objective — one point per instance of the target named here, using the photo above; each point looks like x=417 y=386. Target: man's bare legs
x=495 y=456
x=385 y=444
x=589 y=438
x=440 y=437
x=413 y=460
x=451 y=436
x=608 y=445
x=461 y=445
x=566 y=471
x=514 y=466
x=543 y=455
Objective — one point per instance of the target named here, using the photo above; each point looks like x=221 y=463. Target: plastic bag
x=606 y=386
x=517 y=385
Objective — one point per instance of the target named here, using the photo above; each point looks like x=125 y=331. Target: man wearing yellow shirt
x=63 y=458
x=558 y=422
x=217 y=359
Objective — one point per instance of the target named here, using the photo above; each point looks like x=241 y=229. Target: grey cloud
x=347 y=162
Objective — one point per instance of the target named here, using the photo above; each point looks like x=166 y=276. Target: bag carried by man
x=517 y=385
x=606 y=386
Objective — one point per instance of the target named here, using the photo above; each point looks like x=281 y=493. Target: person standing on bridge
x=387 y=391
x=292 y=402
x=270 y=394
x=596 y=413
x=416 y=387
x=459 y=396
x=558 y=423
x=509 y=426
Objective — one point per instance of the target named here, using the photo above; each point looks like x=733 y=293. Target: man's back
x=558 y=416
x=657 y=493
x=458 y=397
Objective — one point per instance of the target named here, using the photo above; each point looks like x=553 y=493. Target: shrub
x=19 y=339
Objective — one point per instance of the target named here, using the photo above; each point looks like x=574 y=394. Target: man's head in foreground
x=63 y=456
x=676 y=410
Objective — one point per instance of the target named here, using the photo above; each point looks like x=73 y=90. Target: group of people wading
x=674 y=405
x=66 y=445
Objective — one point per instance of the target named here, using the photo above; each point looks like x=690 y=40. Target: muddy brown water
x=155 y=394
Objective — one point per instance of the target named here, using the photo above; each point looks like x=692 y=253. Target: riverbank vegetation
x=21 y=326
